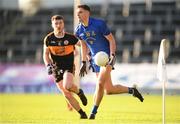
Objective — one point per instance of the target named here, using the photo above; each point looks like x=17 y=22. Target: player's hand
x=83 y=69
x=112 y=60
x=49 y=68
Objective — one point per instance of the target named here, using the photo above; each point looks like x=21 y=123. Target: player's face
x=82 y=14
x=58 y=25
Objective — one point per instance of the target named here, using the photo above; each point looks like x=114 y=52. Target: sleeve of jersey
x=77 y=33
x=104 y=29
x=75 y=40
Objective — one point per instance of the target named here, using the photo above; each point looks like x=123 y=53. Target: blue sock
x=130 y=91
x=94 y=110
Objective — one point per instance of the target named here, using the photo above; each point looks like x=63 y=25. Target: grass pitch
x=115 y=109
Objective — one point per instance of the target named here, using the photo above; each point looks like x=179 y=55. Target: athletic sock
x=80 y=91
x=130 y=90
x=94 y=110
x=81 y=112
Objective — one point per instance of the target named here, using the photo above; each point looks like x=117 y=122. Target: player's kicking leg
x=136 y=93
x=118 y=89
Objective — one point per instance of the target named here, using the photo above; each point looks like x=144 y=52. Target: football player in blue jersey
x=96 y=36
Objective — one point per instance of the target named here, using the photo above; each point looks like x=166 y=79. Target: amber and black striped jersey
x=60 y=46
x=62 y=53
x=61 y=49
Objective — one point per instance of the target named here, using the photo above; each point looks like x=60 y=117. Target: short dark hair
x=85 y=7
x=57 y=17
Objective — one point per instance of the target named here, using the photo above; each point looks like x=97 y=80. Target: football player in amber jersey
x=58 y=56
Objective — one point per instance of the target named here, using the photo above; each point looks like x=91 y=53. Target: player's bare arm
x=46 y=55
x=83 y=50
x=112 y=43
x=112 y=46
x=83 y=70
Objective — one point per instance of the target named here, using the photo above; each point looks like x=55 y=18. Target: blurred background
x=138 y=27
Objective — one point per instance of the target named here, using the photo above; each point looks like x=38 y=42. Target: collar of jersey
x=90 y=22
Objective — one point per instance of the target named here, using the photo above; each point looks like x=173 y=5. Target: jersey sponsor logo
x=52 y=42
x=90 y=40
x=88 y=36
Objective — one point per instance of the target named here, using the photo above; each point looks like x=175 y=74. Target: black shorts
x=61 y=65
x=60 y=70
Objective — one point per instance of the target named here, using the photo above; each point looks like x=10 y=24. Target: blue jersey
x=93 y=35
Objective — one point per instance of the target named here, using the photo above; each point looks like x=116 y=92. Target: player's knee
x=68 y=95
x=108 y=92
x=67 y=86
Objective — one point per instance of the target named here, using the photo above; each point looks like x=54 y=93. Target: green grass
x=117 y=109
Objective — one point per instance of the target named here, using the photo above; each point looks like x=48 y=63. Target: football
x=101 y=58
